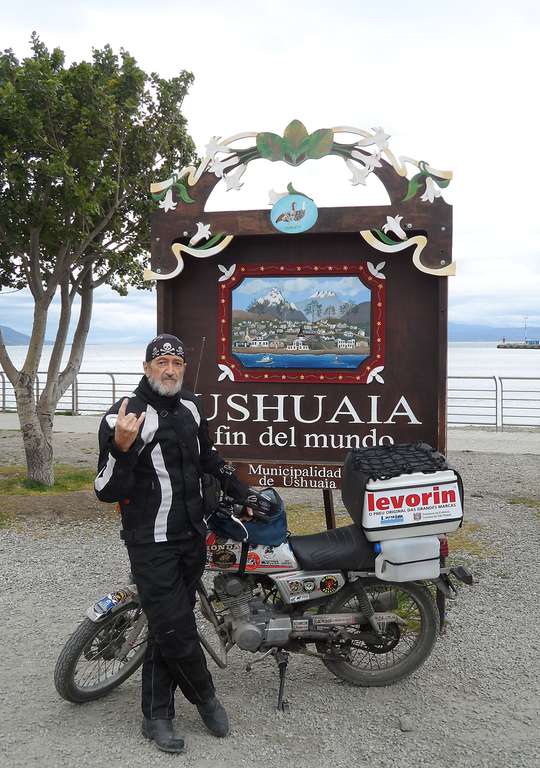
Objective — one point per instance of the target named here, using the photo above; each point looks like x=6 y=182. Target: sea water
x=464 y=359
x=110 y=371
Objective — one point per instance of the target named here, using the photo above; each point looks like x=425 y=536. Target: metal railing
x=489 y=401
x=475 y=403
x=517 y=397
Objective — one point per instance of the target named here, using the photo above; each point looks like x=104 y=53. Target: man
x=154 y=448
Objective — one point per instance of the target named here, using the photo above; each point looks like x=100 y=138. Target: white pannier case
x=409 y=559
x=415 y=504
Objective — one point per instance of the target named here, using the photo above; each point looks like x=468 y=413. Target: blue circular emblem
x=293 y=214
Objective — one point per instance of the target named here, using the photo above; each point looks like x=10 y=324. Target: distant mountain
x=459 y=332
x=275 y=305
x=324 y=295
x=14 y=337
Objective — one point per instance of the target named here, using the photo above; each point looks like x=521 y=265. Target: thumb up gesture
x=127 y=427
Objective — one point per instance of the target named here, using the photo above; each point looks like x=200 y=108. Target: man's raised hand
x=127 y=427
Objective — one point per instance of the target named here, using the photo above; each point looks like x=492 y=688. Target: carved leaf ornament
x=297 y=145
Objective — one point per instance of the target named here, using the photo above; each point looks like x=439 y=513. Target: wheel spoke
x=399 y=639
x=93 y=670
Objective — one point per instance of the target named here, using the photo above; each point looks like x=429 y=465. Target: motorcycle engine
x=253 y=623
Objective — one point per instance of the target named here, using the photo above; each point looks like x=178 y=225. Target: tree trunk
x=36 y=440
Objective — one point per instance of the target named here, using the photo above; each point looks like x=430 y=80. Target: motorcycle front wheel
x=405 y=644
x=99 y=656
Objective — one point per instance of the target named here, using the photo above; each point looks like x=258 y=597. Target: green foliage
x=79 y=146
x=297 y=145
x=213 y=241
x=270 y=146
x=414 y=185
x=383 y=237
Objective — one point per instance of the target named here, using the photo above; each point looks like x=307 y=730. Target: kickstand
x=282 y=660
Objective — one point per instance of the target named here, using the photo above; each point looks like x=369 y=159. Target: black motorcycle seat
x=341 y=549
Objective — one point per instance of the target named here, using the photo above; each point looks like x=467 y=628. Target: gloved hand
x=231 y=485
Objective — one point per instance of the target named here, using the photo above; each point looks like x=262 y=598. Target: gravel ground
x=474 y=703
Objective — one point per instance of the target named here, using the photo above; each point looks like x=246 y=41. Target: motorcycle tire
x=79 y=648
x=381 y=676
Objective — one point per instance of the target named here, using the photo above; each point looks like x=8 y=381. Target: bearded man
x=154 y=448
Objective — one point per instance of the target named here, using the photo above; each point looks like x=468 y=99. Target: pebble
x=406 y=723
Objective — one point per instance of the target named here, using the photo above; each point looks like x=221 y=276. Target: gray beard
x=159 y=389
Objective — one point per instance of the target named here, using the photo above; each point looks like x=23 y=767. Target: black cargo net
x=392 y=460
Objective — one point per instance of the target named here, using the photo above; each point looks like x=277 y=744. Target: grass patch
x=5 y=519
x=524 y=501
x=463 y=541
x=14 y=482
x=304 y=518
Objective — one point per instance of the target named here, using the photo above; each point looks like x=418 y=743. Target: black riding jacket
x=158 y=481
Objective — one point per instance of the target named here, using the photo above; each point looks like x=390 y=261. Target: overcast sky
x=453 y=83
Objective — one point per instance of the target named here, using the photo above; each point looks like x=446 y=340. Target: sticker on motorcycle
x=253 y=561
x=328 y=585
x=120 y=596
x=224 y=558
x=309 y=585
x=109 y=601
x=295 y=587
x=298 y=598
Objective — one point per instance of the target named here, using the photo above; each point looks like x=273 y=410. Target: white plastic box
x=411 y=559
x=416 y=504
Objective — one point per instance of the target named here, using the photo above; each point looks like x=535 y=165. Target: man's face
x=165 y=374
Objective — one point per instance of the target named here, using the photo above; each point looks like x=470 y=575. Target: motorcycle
x=321 y=595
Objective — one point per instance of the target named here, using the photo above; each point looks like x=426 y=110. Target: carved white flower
x=374 y=375
x=203 y=232
x=226 y=372
x=381 y=138
x=393 y=224
x=232 y=180
x=376 y=270
x=274 y=196
x=359 y=172
x=431 y=192
x=213 y=147
x=167 y=203
x=219 y=166
x=227 y=272
x=370 y=161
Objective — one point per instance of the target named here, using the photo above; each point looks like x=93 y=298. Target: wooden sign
x=310 y=331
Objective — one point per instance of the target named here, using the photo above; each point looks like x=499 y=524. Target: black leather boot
x=214 y=717
x=162 y=734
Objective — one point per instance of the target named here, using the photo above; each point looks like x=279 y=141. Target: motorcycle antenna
x=203 y=343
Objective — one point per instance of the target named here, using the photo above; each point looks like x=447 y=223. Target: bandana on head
x=165 y=344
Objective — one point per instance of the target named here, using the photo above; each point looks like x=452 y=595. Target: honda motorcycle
x=330 y=596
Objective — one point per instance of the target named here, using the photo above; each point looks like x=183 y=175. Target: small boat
x=266 y=359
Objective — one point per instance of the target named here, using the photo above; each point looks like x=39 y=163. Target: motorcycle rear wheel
x=378 y=665
x=92 y=652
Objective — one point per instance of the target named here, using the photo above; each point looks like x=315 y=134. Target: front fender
x=109 y=604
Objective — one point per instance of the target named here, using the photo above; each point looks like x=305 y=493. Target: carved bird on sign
x=294 y=214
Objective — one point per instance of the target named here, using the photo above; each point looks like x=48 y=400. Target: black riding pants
x=166 y=574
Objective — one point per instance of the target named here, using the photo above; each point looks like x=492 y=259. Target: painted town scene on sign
x=301 y=322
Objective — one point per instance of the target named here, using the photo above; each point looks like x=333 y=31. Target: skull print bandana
x=165 y=344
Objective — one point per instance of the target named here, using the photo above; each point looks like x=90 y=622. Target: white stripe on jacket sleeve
x=105 y=475
x=192 y=408
x=160 y=524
